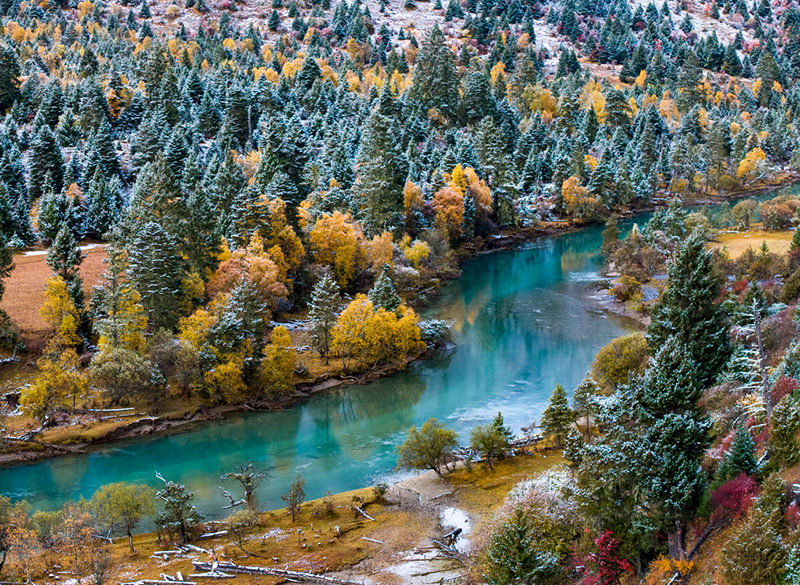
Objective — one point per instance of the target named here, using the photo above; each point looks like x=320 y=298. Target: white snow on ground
x=81 y=248
x=453 y=518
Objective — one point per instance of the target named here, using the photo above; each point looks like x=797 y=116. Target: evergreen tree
x=156 y=271
x=45 y=163
x=383 y=294
x=9 y=77
x=435 y=82
x=740 y=457
x=514 y=554
x=380 y=175
x=688 y=310
x=323 y=311
x=558 y=416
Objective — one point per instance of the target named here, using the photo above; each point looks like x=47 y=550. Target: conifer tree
x=323 y=311
x=688 y=310
x=155 y=268
x=380 y=175
x=383 y=294
x=45 y=161
x=9 y=77
x=435 y=78
x=740 y=458
x=558 y=416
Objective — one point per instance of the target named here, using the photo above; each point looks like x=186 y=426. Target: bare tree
x=250 y=481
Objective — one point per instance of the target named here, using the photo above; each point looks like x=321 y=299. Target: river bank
x=88 y=433
x=391 y=542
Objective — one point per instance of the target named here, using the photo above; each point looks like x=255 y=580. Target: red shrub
x=605 y=566
x=739 y=287
x=733 y=498
x=783 y=387
x=793 y=515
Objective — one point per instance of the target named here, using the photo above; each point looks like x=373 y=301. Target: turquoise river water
x=523 y=321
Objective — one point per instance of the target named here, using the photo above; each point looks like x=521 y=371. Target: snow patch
x=452 y=519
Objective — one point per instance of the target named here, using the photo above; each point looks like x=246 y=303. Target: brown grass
x=24 y=293
x=737 y=243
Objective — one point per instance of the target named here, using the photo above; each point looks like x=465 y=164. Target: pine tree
x=558 y=416
x=380 y=175
x=583 y=403
x=435 y=78
x=179 y=513
x=740 y=457
x=45 y=161
x=783 y=446
x=323 y=311
x=754 y=554
x=514 y=554
x=64 y=258
x=383 y=294
x=9 y=77
x=155 y=268
x=688 y=310
x=274 y=21
x=673 y=436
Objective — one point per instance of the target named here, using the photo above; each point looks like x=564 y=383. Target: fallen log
x=157 y=582
x=364 y=514
x=229 y=567
x=372 y=540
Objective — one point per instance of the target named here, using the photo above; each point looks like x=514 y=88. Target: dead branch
x=363 y=513
x=234 y=503
x=450 y=551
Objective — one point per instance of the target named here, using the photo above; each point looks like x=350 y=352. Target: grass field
x=736 y=243
x=24 y=294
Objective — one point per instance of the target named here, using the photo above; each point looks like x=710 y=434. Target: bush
x=628 y=288
x=777 y=216
x=620 y=361
x=436 y=333
x=743 y=213
x=733 y=498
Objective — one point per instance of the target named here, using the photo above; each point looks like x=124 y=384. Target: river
x=523 y=321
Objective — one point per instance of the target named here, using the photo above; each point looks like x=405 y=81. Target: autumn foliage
x=365 y=337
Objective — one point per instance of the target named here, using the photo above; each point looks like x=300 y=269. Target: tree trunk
x=675 y=544
x=763 y=363
x=130 y=541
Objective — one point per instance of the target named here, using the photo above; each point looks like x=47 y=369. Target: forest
x=246 y=165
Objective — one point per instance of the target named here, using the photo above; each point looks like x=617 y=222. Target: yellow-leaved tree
x=277 y=368
x=365 y=337
x=60 y=314
x=60 y=380
x=449 y=206
x=255 y=265
x=337 y=241
x=59 y=383
x=752 y=165
x=225 y=382
x=576 y=198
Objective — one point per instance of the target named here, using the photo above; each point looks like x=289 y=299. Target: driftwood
x=272 y=572
x=212 y=575
x=364 y=514
x=372 y=540
x=449 y=551
x=157 y=582
x=213 y=534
